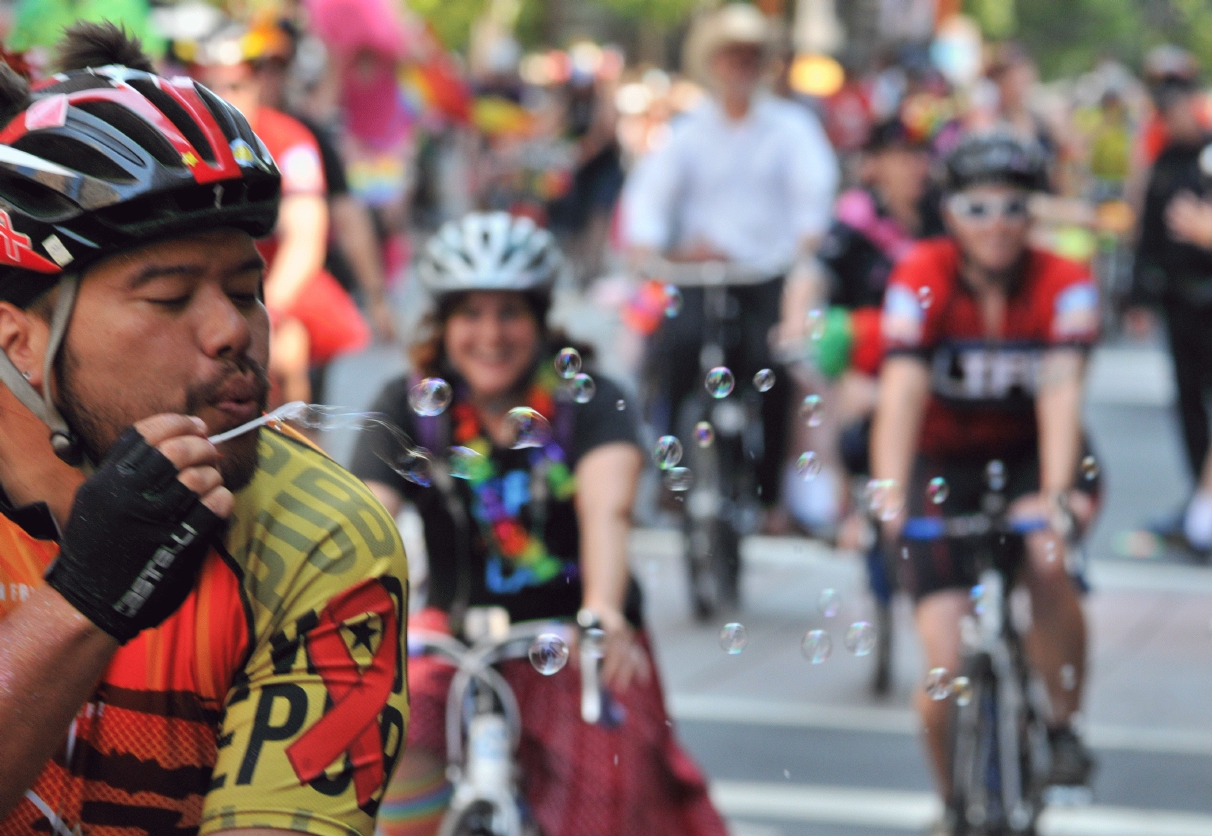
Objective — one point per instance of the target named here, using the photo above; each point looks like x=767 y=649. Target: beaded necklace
x=517 y=554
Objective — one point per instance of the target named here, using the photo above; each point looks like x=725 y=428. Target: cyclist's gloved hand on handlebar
x=141 y=526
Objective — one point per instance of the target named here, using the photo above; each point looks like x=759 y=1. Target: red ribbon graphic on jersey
x=351 y=726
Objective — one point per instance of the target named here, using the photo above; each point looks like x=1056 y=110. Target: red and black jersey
x=982 y=386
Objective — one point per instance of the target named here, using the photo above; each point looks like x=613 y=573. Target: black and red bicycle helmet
x=104 y=159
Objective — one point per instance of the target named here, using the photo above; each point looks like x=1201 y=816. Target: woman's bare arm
x=607 y=477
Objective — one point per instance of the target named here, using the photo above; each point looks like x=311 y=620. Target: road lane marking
x=908 y=810
x=814 y=555
x=716 y=709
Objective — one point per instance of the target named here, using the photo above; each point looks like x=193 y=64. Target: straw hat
x=733 y=23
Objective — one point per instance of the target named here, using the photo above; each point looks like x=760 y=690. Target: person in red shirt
x=986 y=342
x=314 y=318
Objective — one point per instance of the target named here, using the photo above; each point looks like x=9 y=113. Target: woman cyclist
x=549 y=540
x=982 y=387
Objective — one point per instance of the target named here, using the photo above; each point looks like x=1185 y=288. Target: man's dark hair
x=99 y=44
x=14 y=94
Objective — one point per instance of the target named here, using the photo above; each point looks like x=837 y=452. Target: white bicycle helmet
x=490 y=251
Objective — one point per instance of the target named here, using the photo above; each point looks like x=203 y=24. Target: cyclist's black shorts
x=928 y=567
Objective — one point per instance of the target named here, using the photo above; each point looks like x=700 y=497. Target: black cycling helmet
x=99 y=160
x=996 y=158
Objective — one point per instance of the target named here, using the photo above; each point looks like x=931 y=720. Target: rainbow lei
x=517 y=555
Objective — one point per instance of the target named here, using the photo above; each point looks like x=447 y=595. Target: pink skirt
x=581 y=779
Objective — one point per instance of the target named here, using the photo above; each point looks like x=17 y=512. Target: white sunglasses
x=986 y=209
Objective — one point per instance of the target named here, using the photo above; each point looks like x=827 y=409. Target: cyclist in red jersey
x=986 y=342
x=193 y=638
x=314 y=318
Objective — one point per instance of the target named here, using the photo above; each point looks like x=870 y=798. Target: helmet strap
x=63 y=440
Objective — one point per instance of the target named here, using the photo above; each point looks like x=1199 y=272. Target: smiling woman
x=547 y=518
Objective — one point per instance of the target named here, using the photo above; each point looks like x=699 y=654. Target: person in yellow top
x=194 y=638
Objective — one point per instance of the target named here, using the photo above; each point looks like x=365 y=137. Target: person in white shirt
x=746 y=178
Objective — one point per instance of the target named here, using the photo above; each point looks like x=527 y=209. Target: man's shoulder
x=933 y=260
x=280 y=130
x=306 y=528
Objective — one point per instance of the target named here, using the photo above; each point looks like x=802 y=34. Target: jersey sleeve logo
x=903 y=318
x=359 y=681
x=301 y=170
x=1076 y=312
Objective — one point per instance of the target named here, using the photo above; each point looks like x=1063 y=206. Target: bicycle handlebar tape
x=134 y=542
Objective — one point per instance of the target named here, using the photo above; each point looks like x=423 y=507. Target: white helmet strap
x=42 y=403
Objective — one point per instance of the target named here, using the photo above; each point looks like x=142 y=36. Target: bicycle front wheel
x=975 y=805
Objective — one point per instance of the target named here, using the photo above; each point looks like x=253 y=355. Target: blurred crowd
x=383 y=133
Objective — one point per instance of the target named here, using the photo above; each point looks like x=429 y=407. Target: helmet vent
x=34 y=200
x=78 y=82
x=72 y=154
x=131 y=124
x=218 y=109
x=176 y=114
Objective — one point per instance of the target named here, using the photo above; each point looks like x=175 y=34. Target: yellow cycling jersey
x=274 y=697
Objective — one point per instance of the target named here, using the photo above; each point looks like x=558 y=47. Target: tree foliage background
x=1070 y=36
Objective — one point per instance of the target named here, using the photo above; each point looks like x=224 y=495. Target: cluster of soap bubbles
x=580 y=385
x=816 y=644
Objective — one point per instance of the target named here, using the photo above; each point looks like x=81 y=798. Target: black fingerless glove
x=134 y=542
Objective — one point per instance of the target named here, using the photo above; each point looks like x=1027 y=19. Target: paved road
x=795 y=749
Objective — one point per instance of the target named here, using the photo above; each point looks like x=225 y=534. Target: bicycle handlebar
x=707 y=273
x=928 y=529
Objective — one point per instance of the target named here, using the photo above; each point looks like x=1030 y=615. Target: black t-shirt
x=1164 y=267
x=531 y=586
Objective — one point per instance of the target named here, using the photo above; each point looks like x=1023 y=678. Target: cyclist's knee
x=938 y=616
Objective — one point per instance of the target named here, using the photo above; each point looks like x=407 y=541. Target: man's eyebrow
x=159 y=271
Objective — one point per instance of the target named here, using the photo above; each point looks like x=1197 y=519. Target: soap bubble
x=808 y=466
x=583 y=388
x=704 y=433
x=719 y=382
x=673 y=301
x=810 y=411
x=430 y=396
x=527 y=428
x=548 y=654
x=668 y=452
x=763 y=381
x=816 y=646
x=815 y=322
x=1090 y=468
x=679 y=479
x=884 y=499
x=961 y=687
x=995 y=475
x=620 y=404
x=829 y=602
x=938 y=684
x=860 y=638
x=412 y=464
x=568 y=363
x=937 y=490
x=733 y=638
x=466 y=463
x=925 y=297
